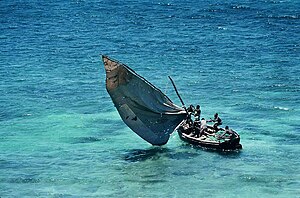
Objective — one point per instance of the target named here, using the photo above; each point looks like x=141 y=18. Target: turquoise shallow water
x=60 y=135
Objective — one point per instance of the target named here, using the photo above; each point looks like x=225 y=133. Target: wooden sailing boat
x=147 y=111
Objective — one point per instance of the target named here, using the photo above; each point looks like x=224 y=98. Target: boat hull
x=233 y=144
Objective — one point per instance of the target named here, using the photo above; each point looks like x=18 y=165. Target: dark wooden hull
x=233 y=144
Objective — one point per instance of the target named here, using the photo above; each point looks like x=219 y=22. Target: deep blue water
x=60 y=135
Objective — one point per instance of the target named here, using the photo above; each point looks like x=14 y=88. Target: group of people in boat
x=199 y=127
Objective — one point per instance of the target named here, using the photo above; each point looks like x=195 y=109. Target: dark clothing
x=197 y=132
x=218 y=122
x=197 y=114
x=190 y=109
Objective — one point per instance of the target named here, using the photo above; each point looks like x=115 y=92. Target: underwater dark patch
x=182 y=155
x=142 y=155
x=79 y=140
x=289 y=139
x=22 y=180
x=185 y=172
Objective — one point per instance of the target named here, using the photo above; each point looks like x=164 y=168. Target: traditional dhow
x=149 y=112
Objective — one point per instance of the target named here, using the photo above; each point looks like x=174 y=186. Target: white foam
x=282 y=108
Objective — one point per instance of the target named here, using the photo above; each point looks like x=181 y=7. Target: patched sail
x=142 y=106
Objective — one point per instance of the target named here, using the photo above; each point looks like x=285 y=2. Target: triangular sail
x=142 y=106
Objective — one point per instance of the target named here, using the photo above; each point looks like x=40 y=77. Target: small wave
x=222 y=28
x=282 y=108
x=165 y=4
x=291 y=17
x=279 y=85
x=288 y=17
x=241 y=7
x=22 y=180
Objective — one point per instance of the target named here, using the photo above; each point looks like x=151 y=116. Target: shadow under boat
x=155 y=153
x=136 y=155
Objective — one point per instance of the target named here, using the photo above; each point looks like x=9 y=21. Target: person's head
x=198 y=107
x=227 y=127
x=216 y=115
x=203 y=119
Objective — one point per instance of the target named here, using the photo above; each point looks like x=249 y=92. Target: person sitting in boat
x=197 y=113
x=228 y=132
x=217 y=120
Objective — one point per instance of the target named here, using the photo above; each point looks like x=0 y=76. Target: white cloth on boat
x=203 y=124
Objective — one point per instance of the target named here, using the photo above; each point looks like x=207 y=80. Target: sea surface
x=61 y=136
